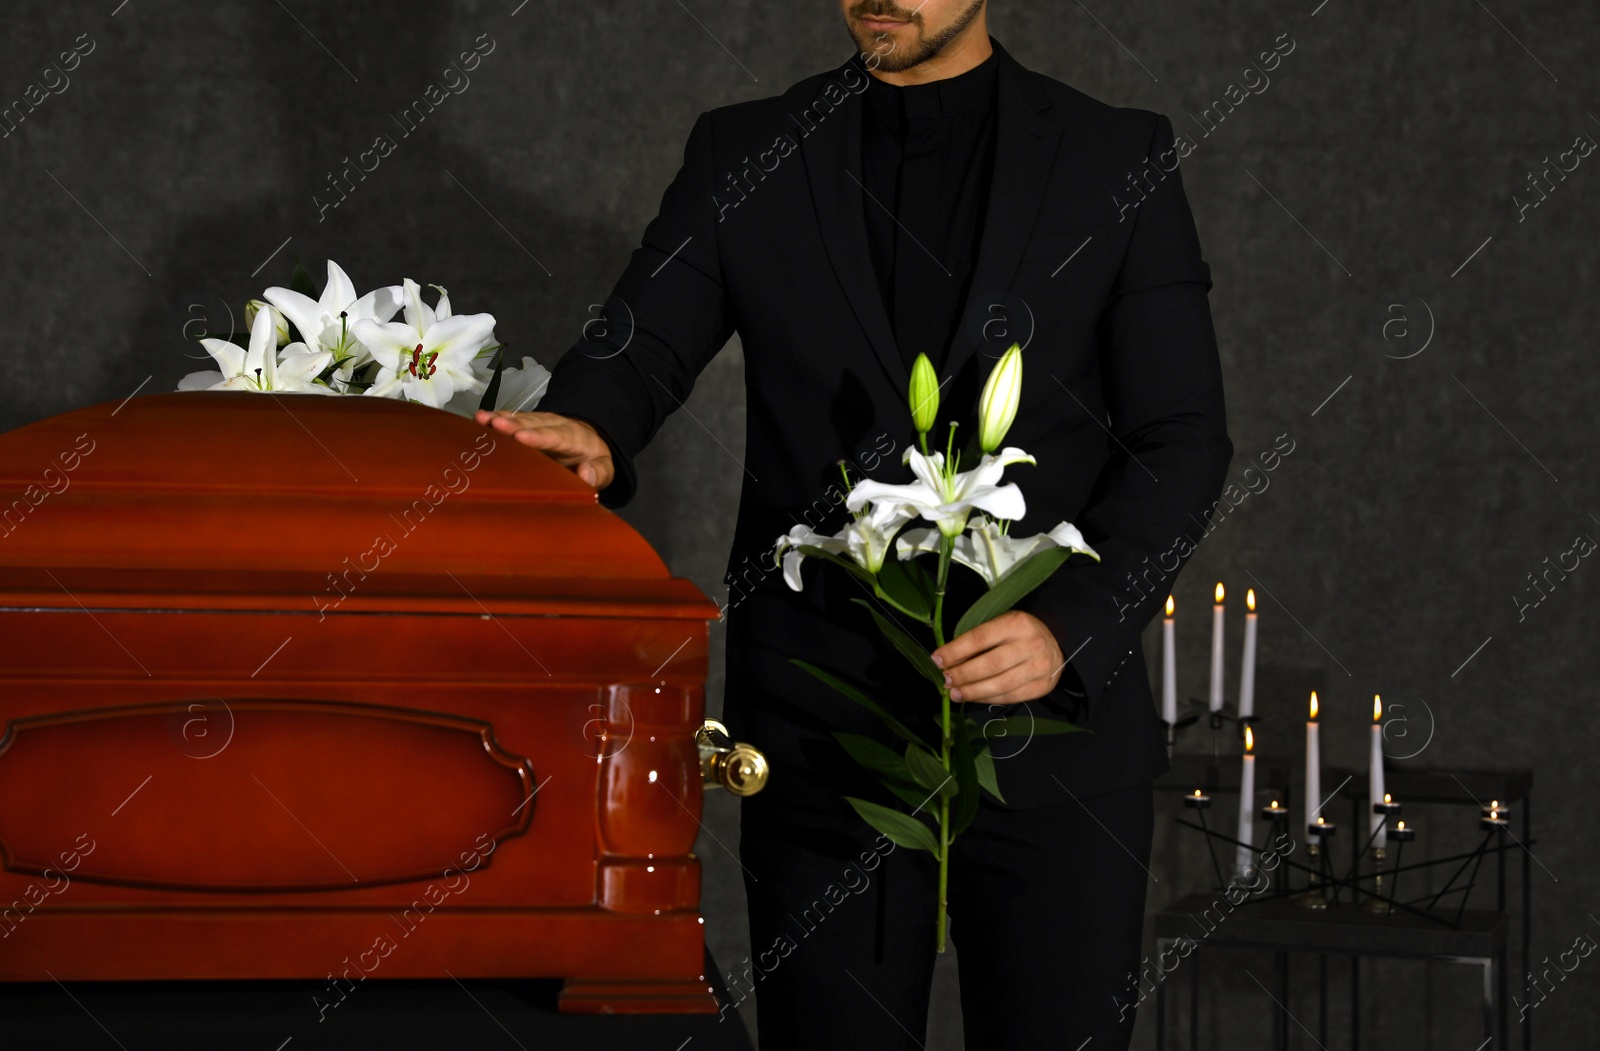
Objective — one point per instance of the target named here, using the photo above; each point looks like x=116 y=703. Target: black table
x=1470 y=790
x=1209 y=921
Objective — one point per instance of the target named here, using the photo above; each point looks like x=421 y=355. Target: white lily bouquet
x=342 y=343
x=968 y=515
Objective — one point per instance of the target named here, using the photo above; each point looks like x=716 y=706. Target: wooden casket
x=338 y=688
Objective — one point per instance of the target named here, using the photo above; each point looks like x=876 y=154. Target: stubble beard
x=898 y=58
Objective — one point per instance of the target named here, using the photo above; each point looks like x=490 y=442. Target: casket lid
x=292 y=502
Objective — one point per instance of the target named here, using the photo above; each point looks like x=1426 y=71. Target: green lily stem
x=946 y=546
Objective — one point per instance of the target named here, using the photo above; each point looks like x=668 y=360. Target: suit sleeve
x=665 y=319
x=1162 y=390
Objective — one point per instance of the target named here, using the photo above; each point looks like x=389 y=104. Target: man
x=931 y=195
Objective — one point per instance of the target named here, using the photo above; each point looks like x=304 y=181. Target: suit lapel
x=1024 y=152
x=832 y=152
x=1025 y=148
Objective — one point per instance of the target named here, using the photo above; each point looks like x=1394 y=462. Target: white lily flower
x=987 y=551
x=946 y=499
x=328 y=323
x=261 y=366
x=864 y=539
x=255 y=306
x=520 y=390
x=522 y=387
x=429 y=357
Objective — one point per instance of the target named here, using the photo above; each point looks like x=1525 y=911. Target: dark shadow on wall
x=431 y=209
x=435 y=209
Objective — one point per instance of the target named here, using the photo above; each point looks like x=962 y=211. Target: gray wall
x=1387 y=150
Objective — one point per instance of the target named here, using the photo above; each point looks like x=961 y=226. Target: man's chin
x=884 y=54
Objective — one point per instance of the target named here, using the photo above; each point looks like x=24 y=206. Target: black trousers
x=1046 y=913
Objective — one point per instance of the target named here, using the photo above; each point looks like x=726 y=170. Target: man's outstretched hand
x=1007 y=660
x=571 y=443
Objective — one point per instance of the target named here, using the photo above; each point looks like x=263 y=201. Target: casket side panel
x=542 y=689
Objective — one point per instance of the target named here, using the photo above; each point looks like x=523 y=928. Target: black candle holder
x=1378 y=902
x=1378 y=887
x=1216 y=720
x=1494 y=820
x=1173 y=728
x=1199 y=802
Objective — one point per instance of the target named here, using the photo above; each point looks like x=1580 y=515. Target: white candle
x=1216 y=653
x=1169 y=667
x=1247 y=672
x=1313 y=769
x=1245 y=863
x=1375 y=774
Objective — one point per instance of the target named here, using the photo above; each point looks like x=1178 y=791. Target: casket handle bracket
x=730 y=764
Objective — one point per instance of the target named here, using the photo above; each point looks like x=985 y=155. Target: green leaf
x=902 y=829
x=874 y=755
x=300 y=280
x=1027 y=726
x=984 y=762
x=491 y=393
x=964 y=764
x=928 y=772
x=1023 y=578
x=855 y=570
x=888 y=764
x=1057 y=726
x=908 y=586
x=910 y=791
x=900 y=729
x=909 y=648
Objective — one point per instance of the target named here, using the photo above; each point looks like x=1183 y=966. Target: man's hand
x=1008 y=660
x=571 y=443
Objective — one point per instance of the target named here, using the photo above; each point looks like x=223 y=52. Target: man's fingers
x=1006 y=660
x=548 y=438
x=963 y=646
x=571 y=443
x=984 y=665
x=551 y=434
x=595 y=471
x=996 y=688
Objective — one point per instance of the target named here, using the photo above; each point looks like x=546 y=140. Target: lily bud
x=924 y=394
x=997 y=408
x=254 y=307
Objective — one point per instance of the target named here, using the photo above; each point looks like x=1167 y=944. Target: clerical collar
x=972 y=90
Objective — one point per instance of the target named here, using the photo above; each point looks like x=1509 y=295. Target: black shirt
x=927 y=154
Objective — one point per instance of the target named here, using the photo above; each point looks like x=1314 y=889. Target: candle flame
x=1197 y=792
x=1402 y=823
x=1494 y=804
x=1170 y=605
x=1322 y=820
x=1313 y=705
x=1220 y=592
x=1274 y=804
x=1387 y=798
x=1250 y=600
x=1377 y=709
x=1249 y=739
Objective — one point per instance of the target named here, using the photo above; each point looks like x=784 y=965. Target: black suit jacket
x=1088 y=257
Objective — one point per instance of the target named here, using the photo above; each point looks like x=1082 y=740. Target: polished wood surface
x=245 y=739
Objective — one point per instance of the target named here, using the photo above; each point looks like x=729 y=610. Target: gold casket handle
x=730 y=764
